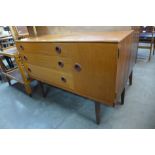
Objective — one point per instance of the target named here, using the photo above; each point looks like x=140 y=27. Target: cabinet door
x=94 y=70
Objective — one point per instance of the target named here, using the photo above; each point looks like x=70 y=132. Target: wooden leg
x=30 y=95
x=97 y=111
x=28 y=89
x=130 y=78
x=122 y=96
x=150 y=54
x=42 y=89
x=153 y=46
x=113 y=105
x=24 y=75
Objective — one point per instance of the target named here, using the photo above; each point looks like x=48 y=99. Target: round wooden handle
x=29 y=69
x=61 y=64
x=25 y=58
x=63 y=79
x=21 y=47
x=77 y=67
x=58 y=49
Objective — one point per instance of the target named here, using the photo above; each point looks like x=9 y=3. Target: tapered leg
x=114 y=105
x=28 y=89
x=153 y=46
x=150 y=54
x=130 y=78
x=30 y=95
x=122 y=96
x=42 y=89
x=97 y=111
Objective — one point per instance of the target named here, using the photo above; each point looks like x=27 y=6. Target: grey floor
x=65 y=110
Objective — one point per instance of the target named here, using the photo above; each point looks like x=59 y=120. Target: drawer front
x=50 y=62
x=50 y=76
x=52 y=49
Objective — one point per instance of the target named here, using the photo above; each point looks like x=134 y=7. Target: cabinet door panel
x=97 y=74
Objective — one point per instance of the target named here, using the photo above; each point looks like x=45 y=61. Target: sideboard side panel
x=126 y=61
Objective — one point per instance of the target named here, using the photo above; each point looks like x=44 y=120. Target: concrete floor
x=65 y=110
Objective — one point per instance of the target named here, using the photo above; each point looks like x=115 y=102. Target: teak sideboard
x=92 y=65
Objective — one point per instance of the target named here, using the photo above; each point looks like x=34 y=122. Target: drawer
x=53 y=49
x=47 y=61
x=50 y=76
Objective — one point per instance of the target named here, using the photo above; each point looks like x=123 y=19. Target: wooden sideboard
x=93 y=65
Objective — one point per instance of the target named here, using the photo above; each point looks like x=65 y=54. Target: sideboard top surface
x=115 y=36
